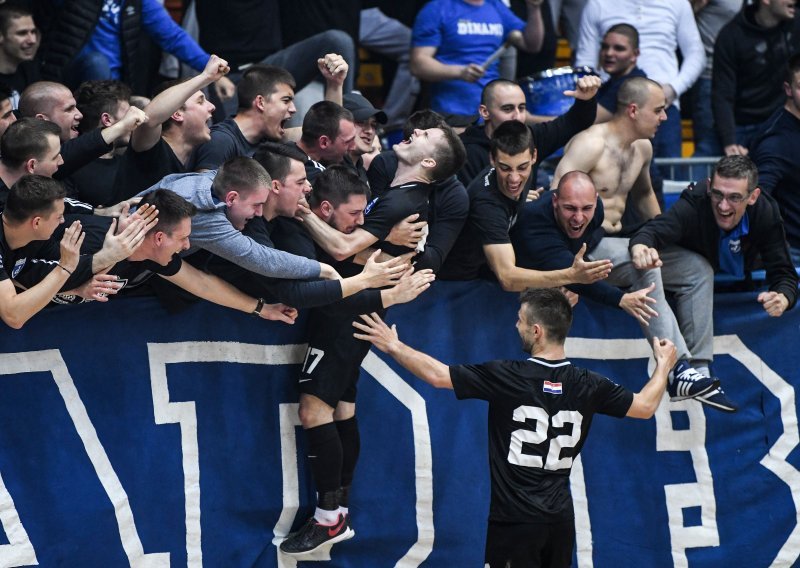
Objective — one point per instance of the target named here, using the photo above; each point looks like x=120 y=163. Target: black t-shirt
x=227 y=141
x=385 y=211
x=539 y=416
x=30 y=264
x=95 y=183
x=448 y=207
x=133 y=274
x=141 y=170
x=27 y=72
x=491 y=217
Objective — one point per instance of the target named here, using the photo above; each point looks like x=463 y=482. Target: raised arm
x=532 y=37
x=16 y=309
x=646 y=401
x=169 y=101
x=334 y=69
x=385 y=338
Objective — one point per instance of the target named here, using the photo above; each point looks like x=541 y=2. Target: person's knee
x=337 y=41
x=313 y=412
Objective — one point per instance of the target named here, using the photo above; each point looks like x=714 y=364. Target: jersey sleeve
x=382 y=217
x=610 y=398
x=473 y=381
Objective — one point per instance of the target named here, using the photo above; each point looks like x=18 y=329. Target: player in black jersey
x=331 y=369
x=540 y=411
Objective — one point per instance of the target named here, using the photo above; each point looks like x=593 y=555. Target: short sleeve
x=510 y=20
x=610 y=398
x=427 y=30
x=473 y=381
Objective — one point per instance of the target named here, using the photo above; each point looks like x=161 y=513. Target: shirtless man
x=617 y=155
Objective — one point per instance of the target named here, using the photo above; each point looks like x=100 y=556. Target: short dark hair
x=336 y=184
x=549 y=308
x=30 y=196
x=512 y=137
x=488 y=89
x=172 y=209
x=450 y=154
x=423 y=120
x=25 y=139
x=635 y=90
x=96 y=97
x=792 y=67
x=322 y=119
x=261 y=80
x=10 y=12
x=240 y=174
x=737 y=167
x=277 y=158
x=626 y=30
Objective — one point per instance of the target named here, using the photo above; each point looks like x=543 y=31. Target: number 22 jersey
x=540 y=412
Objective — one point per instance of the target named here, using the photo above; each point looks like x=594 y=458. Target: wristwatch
x=257 y=311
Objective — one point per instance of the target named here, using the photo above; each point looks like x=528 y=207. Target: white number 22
x=542 y=420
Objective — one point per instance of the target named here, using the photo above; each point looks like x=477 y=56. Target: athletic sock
x=325 y=517
x=325 y=460
x=351 y=446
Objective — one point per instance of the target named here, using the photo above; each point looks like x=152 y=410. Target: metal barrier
x=691 y=169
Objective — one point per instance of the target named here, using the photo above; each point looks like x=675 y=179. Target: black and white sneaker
x=719 y=400
x=687 y=382
x=313 y=536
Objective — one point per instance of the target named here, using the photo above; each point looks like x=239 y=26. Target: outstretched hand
x=380 y=274
x=374 y=330
x=638 y=303
x=589 y=271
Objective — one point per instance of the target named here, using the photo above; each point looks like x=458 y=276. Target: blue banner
x=133 y=437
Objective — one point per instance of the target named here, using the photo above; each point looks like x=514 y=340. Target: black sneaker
x=313 y=536
x=719 y=400
x=687 y=382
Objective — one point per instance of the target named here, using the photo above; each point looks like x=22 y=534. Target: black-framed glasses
x=733 y=198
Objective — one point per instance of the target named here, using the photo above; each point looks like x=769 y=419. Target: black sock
x=351 y=446
x=325 y=459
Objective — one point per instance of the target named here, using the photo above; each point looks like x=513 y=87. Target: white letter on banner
x=681 y=496
x=184 y=413
x=19 y=551
x=51 y=361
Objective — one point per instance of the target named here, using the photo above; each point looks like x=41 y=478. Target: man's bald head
x=635 y=90
x=574 y=203
x=54 y=102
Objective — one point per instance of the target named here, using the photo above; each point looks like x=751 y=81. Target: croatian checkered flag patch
x=552 y=388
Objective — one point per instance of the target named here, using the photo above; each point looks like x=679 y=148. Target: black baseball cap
x=362 y=109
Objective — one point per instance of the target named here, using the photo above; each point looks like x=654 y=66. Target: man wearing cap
x=366 y=118
x=328 y=135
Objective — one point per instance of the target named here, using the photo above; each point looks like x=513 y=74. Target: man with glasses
x=731 y=223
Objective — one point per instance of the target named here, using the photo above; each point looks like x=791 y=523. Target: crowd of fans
x=102 y=188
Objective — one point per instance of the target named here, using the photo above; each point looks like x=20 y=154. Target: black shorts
x=530 y=545
x=332 y=363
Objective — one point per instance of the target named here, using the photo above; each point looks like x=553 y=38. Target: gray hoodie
x=212 y=231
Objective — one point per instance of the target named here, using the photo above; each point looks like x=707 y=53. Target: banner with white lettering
x=133 y=437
